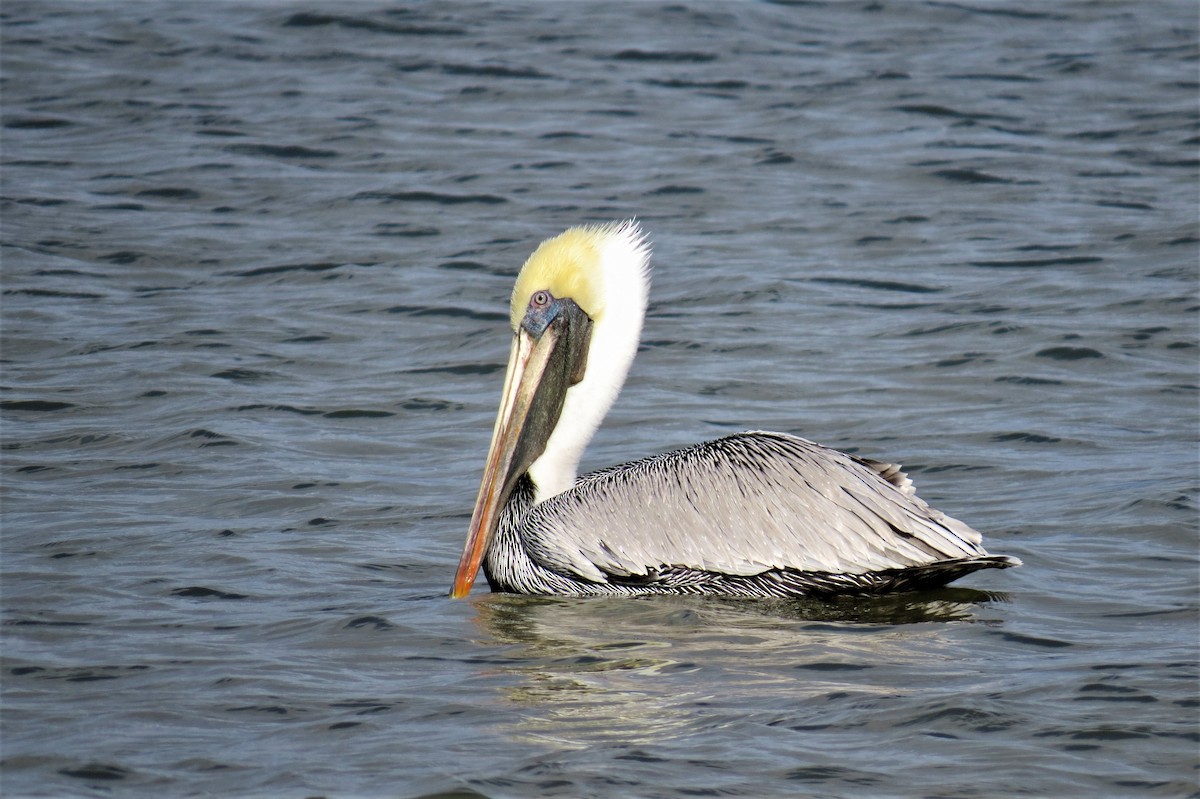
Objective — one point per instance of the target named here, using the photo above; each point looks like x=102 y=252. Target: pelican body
x=754 y=514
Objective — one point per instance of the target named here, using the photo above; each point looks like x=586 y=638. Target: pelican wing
x=743 y=505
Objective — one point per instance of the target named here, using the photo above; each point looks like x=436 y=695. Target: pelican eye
x=543 y=309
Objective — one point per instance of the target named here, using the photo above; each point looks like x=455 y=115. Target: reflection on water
x=513 y=618
x=643 y=671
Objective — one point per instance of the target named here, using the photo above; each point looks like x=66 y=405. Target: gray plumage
x=752 y=514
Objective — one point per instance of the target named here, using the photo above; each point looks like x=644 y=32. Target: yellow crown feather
x=569 y=267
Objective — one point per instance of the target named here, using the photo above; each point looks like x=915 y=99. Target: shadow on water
x=635 y=671
x=511 y=618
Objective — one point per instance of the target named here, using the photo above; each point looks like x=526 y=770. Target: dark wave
x=354 y=413
x=242 y=374
x=37 y=123
x=203 y=592
x=452 y=312
x=315 y=20
x=1002 y=11
x=495 y=71
x=429 y=197
x=35 y=406
x=881 y=285
x=1028 y=438
x=72 y=295
x=459 y=369
x=727 y=85
x=282 y=408
x=1028 y=381
x=105 y=772
x=1039 y=263
x=661 y=190
x=404 y=230
x=282 y=151
x=170 y=193
x=970 y=176
x=1006 y=77
x=284 y=268
x=932 y=110
x=1069 y=353
x=664 y=56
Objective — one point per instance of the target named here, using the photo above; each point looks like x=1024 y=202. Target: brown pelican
x=750 y=515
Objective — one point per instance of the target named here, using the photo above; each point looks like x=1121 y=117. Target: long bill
x=539 y=373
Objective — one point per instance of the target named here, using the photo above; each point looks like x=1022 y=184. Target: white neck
x=624 y=269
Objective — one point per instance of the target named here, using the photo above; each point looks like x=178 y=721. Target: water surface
x=256 y=261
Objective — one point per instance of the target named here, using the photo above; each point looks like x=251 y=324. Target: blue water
x=255 y=268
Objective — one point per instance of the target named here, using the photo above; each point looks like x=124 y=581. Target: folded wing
x=743 y=505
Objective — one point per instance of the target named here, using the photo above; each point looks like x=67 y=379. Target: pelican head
x=576 y=316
